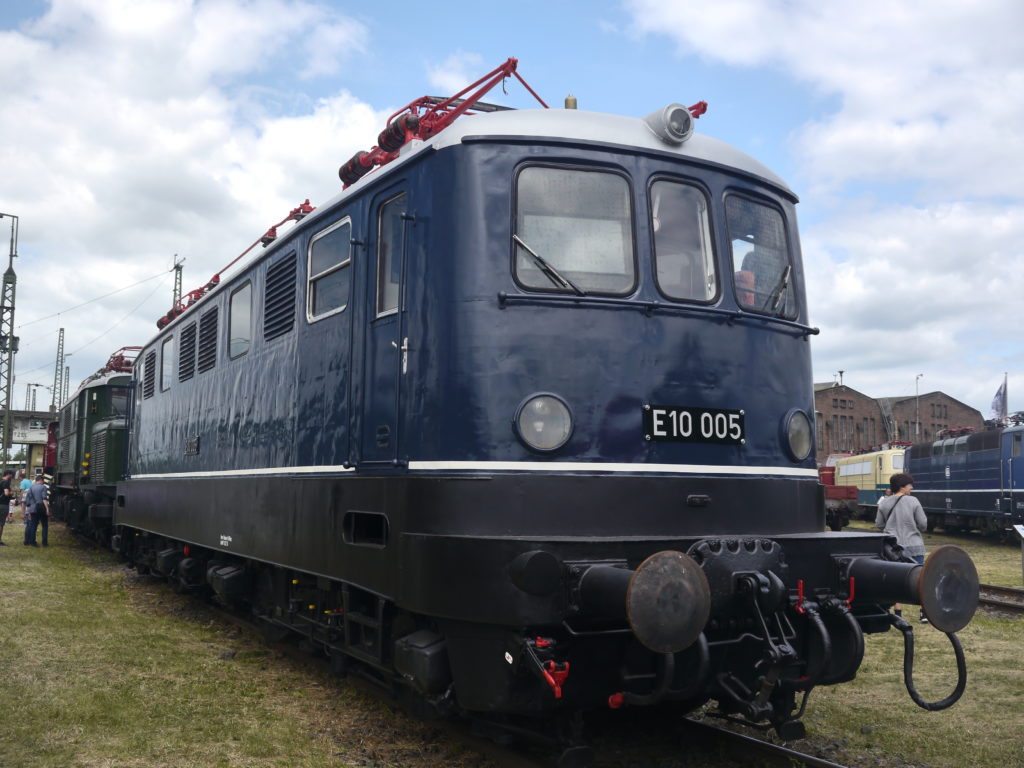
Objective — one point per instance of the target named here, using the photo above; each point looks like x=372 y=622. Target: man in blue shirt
x=25 y=485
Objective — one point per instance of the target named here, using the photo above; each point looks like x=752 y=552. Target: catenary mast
x=8 y=341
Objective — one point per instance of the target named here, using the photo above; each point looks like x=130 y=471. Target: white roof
x=574 y=125
x=602 y=128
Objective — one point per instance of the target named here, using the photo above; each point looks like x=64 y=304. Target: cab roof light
x=674 y=124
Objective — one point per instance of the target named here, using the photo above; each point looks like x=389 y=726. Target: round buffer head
x=948 y=588
x=668 y=602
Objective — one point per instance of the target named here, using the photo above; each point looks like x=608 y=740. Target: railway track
x=775 y=753
x=1009 y=599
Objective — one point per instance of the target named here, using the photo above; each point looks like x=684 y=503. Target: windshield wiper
x=550 y=272
x=777 y=294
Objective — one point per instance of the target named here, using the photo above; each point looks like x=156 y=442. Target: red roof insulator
x=698 y=109
x=362 y=163
x=355 y=168
x=407 y=123
x=301 y=211
x=121 y=361
x=192 y=297
x=399 y=132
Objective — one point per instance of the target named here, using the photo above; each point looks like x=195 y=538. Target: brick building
x=919 y=420
x=848 y=421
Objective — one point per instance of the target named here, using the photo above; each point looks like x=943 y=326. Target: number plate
x=680 y=424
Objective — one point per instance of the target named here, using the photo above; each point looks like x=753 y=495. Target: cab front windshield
x=573 y=231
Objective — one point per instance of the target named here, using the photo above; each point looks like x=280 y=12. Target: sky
x=132 y=131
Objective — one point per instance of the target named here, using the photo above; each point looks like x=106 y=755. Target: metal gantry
x=8 y=341
x=178 y=267
x=58 y=374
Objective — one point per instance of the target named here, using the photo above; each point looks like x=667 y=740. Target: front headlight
x=543 y=422
x=797 y=430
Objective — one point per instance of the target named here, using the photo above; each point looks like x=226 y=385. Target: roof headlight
x=672 y=124
x=543 y=422
x=796 y=428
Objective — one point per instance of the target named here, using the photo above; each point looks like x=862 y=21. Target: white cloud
x=456 y=72
x=130 y=132
x=928 y=116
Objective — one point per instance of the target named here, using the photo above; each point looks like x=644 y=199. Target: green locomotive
x=92 y=438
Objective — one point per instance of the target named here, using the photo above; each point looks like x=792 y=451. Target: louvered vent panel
x=98 y=460
x=64 y=452
x=149 y=377
x=279 y=299
x=208 y=340
x=187 y=353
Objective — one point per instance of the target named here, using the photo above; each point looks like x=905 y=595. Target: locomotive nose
x=946 y=586
x=666 y=600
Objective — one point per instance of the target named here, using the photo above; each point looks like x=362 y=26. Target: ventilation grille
x=187 y=353
x=279 y=300
x=98 y=460
x=208 y=340
x=149 y=378
x=64 y=452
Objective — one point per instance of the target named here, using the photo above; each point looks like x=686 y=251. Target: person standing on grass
x=25 y=485
x=902 y=516
x=39 y=507
x=5 y=499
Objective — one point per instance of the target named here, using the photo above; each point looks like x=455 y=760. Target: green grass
x=873 y=716
x=102 y=668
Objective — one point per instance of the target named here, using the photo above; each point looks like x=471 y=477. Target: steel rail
x=1007 y=598
x=766 y=747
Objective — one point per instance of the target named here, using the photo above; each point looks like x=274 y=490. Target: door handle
x=404 y=349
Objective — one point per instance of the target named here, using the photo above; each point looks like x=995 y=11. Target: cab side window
x=391 y=239
x=240 y=321
x=330 y=276
x=760 y=257
x=166 y=363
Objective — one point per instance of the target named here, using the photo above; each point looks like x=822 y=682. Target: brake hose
x=908 y=667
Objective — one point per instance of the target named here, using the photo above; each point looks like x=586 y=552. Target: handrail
x=730 y=315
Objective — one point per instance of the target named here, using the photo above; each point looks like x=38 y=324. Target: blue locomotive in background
x=971 y=481
x=519 y=425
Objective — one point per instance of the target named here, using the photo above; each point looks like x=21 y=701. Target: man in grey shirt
x=902 y=516
x=36 y=501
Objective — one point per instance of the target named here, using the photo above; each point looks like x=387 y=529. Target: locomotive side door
x=386 y=348
x=1012 y=462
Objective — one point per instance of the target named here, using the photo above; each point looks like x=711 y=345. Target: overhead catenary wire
x=125 y=317
x=130 y=312
x=98 y=298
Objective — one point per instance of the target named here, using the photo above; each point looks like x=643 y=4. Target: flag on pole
x=999 y=403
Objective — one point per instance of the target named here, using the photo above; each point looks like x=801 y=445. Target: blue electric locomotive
x=519 y=425
x=971 y=481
